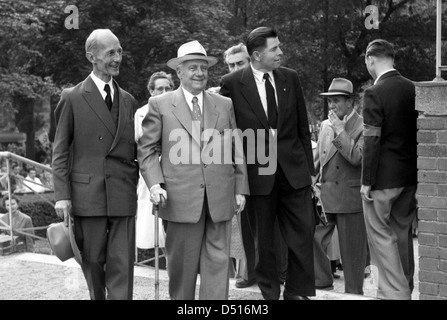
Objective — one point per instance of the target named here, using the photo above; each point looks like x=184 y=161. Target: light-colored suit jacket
x=186 y=169
x=338 y=163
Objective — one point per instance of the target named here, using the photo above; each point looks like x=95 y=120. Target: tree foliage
x=321 y=39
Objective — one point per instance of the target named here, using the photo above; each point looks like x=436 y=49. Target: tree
x=20 y=88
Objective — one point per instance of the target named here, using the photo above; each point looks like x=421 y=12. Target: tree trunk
x=25 y=123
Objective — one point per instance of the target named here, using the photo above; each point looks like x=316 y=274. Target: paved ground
x=30 y=276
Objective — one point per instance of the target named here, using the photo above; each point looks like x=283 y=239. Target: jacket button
x=107 y=176
x=202 y=186
x=100 y=137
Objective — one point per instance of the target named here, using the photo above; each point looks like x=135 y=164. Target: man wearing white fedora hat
x=338 y=161
x=192 y=125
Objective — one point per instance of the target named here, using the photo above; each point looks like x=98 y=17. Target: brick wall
x=431 y=103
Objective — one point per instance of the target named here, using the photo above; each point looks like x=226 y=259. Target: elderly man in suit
x=269 y=101
x=339 y=158
x=389 y=171
x=95 y=170
x=202 y=176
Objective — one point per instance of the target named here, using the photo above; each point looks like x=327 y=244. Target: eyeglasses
x=163 y=89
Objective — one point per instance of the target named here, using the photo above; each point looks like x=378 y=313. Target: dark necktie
x=272 y=109
x=108 y=97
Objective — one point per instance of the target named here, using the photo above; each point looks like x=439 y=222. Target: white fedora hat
x=192 y=50
x=339 y=87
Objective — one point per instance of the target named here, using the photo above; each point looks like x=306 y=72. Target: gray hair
x=236 y=49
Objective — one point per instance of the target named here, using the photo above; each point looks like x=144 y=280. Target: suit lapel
x=281 y=93
x=351 y=127
x=94 y=99
x=328 y=147
x=250 y=92
x=183 y=113
x=210 y=115
x=122 y=115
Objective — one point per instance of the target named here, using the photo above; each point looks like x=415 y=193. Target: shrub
x=41 y=211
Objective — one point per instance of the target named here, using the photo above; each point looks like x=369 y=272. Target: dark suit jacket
x=294 y=150
x=338 y=161
x=390 y=118
x=94 y=161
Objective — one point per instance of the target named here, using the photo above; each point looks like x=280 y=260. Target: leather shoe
x=242 y=283
x=288 y=296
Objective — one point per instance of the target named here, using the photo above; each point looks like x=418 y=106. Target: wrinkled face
x=341 y=105
x=14 y=206
x=237 y=61
x=161 y=86
x=107 y=58
x=270 y=57
x=193 y=75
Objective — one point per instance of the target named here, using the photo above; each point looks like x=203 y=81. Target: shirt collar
x=259 y=75
x=189 y=96
x=386 y=71
x=101 y=84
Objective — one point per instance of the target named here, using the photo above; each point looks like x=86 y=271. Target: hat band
x=195 y=54
x=342 y=91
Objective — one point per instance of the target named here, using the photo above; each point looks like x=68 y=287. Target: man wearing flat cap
x=338 y=164
x=203 y=187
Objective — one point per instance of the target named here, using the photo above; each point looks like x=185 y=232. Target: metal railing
x=26 y=183
x=11 y=157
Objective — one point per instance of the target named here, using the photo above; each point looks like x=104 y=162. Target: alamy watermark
x=224 y=147
x=72 y=21
x=372 y=20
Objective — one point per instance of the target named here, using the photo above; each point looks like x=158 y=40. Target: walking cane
x=155 y=212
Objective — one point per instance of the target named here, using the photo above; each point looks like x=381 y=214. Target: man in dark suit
x=338 y=161
x=389 y=171
x=95 y=170
x=269 y=103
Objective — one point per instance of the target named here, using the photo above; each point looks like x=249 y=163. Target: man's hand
x=240 y=202
x=63 y=210
x=156 y=194
x=336 y=123
x=365 y=193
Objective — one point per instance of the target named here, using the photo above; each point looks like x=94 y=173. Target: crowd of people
x=25 y=180
x=233 y=211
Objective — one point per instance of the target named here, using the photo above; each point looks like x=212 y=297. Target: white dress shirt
x=101 y=84
x=189 y=96
x=260 y=83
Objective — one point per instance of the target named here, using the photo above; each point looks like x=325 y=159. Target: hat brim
x=62 y=242
x=335 y=93
x=74 y=246
x=174 y=62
